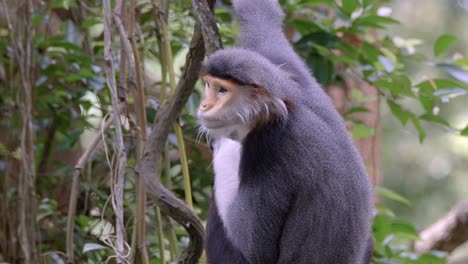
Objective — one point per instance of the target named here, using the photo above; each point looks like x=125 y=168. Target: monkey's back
x=310 y=170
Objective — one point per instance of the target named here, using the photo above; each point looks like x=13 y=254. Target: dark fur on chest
x=219 y=250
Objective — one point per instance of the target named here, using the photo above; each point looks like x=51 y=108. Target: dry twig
x=119 y=173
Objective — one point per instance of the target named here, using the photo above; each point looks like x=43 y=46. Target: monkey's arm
x=261 y=30
x=255 y=225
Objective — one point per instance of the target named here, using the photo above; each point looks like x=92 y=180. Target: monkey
x=290 y=186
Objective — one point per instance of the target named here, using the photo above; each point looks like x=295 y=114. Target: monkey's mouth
x=212 y=123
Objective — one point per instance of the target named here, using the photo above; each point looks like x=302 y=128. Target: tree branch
x=446 y=234
x=209 y=28
x=80 y=165
x=150 y=169
x=118 y=173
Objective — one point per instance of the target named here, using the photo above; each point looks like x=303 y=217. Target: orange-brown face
x=220 y=103
x=231 y=109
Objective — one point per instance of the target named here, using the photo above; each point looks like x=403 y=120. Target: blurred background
x=432 y=175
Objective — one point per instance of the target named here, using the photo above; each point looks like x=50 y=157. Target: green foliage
x=393 y=237
x=361 y=130
x=334 y=44
x=442 y=43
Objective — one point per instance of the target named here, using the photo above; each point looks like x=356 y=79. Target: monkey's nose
x=205 y=106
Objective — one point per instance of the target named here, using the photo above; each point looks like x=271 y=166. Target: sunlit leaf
x=92 y=246
x=455 y=71
x=387 y=193
x=464 y=131
x=451 y=92
x=102 y=228
x=440 y=84
x=387 y=63
x=404 y=229
x=442 y=43
x=384 y=210
x=361 y=130
x=463 y=63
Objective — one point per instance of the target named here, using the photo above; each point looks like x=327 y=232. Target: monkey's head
x=240 y=94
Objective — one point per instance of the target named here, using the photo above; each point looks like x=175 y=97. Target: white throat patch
x=227 y=153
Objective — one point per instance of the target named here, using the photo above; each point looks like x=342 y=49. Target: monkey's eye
x=222 y=90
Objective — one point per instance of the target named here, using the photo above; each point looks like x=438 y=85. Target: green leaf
x=442 y=43
x=387 y=63
x=387 y=193
x=66 y=45
x=430 y=91
x=399 y=112
x=361 y=130
x=316 y=2
x=370 y=52
x=457 y=72
x=86 y=73
x=374 y=21
x=89 y=23
x=404 y=229
x=398 y=85
x=36 y=20
x=304 y=26
x=431 y=85
x=431 y=258
x=3 y=150
x=381 y=228
x=464 y=131
x=419 y=128
x=349 y=6
x=463 y=63
x=321 y=68
x=356 y=109
x=451 y=92
x=384 y=210
x=73 y=77
x=435 y=119
x=92 y=246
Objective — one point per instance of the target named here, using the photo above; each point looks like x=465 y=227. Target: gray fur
x=304 y=195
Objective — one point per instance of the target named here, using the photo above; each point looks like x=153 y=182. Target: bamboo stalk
x=142 y=124
x=177 y=129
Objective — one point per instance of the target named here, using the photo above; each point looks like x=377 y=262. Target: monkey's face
x=222 y=103
x=232 y=110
